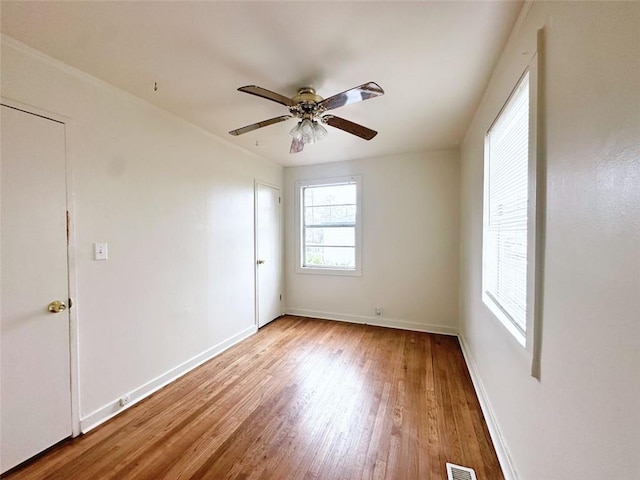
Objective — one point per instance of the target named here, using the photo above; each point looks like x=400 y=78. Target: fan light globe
x=307 y=131
x=319 y=131
x=306 y=126
x=296 y=132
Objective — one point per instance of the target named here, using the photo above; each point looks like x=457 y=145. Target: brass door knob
x=57 y=306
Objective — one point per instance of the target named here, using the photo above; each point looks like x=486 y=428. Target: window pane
x=330 y=195
x=338 y=237
x=335 y=257
x=506 y=197
x=507 y=281
x=330 y=231
x=341 y=214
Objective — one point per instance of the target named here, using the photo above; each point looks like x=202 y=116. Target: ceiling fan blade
x=357 y=94
x=268 y=94
x=264 y=123
x=296 y=146
x=350 y=127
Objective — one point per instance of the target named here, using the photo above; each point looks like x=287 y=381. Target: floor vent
x=456 y=472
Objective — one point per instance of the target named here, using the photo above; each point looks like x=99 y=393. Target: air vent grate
x=456 y=472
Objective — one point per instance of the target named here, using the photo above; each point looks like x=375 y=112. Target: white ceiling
x=433 y=59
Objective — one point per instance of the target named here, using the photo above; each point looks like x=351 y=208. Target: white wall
x=582 y=419
x=175 y=205
x=410 y=210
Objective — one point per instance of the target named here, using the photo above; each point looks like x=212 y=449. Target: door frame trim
x=256 y=299
x=71 y=251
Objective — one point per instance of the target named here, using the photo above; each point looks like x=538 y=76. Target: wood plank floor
x=301 y=399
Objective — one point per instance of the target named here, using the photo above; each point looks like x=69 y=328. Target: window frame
x=300 y=225
x=526 y=339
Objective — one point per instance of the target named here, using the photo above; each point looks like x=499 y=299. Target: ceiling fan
x=310 y=108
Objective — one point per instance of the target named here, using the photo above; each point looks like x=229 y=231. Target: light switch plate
x=100 y=251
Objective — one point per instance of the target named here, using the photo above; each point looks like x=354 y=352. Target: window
x=509 y=214
x=329 y=226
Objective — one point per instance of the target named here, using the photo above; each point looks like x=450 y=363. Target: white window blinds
x=506 y=194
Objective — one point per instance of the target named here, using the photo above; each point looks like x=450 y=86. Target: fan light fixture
x=310 y=108
x=308 y=131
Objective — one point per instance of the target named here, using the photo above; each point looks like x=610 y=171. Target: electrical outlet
x=378 y=312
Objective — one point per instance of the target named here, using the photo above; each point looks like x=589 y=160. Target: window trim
x=528 y=338
x=299 y=226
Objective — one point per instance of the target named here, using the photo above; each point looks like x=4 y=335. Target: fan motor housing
x=307 y=95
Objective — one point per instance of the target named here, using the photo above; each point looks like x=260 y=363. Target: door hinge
x=279 y=199
x=67 y=228
x=280 y=297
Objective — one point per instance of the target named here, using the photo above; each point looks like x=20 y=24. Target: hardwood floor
x=301 y=399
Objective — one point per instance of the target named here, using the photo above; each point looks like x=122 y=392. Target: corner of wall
x=499 y=443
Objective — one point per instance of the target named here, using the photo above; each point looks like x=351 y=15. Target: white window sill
x=499 y=314
x=329 y=271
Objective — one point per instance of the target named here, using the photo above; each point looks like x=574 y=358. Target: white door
x=268 y=254
x=35 y=392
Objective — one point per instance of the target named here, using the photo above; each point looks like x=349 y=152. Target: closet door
x=35 y=385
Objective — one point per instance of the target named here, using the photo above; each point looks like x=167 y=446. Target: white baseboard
x=113 y=408
x=379 y=322
x=496 y=436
